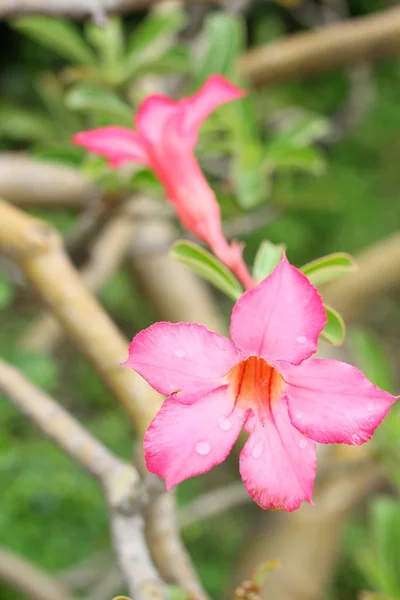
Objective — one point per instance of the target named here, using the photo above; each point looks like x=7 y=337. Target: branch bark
x=120 y=481
x=38 y=251
x=331 y=47
x=30 y=182
x=378 y=272
x=106 y=256
x=77 y=8
x=29 y=579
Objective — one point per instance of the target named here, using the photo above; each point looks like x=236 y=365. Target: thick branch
x=106 y=256
x=30 y=182
x=121 y=481
x=57 y=424
x=331 y=47
x=79 y=8
x=29 y=579
x=378 y=272
x=38 y=250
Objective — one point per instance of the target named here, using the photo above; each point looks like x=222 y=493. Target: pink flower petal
x=332 y=402
x=118 y=144
x=152 y=117
x=281 y=318
x=216 y=91
x=184 y=440
x=278 y=463
x=181 y=356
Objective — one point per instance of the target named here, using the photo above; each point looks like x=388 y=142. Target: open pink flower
x=164 y=141
x=263 y=380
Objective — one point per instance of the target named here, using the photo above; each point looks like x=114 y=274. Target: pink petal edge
x=333 y=402
x=181 y=356
x=281 y=318
x=278 y=463
x=118 y=144
x=185 y=440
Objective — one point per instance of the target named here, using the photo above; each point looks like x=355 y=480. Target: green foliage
x=60 y=36
x=334 y=331
x=267 y=257
x=208 y=267
x=327 y=268
x=380 y=559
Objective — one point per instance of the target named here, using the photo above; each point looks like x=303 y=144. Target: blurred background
x=310 y=158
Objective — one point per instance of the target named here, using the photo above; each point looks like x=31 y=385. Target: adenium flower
x=164 y=140
x=264 y=380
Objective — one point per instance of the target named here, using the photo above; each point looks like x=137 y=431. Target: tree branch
x=331 y=47
x=29 y=579
x=378 y=272
x=77 y=8
x=106 y=255
x=30 y=182
x=120 y=481
x=38 y=250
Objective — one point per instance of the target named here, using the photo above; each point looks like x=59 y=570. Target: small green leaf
x=335 y=330
x=152 y=39
x=306 y=129
x=6 y=293
x=21 y=124
x=174 y=592
x=260 y=573
x=92 y=98
x=109 y=41
x=330 y=267
x=371 y=356
x=267 y=257
x=307 y=159
x=224 y=35
x=58 y=35
x=208 y=267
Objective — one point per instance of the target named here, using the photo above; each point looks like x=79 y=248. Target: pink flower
x=166 y=135
x=263 y=380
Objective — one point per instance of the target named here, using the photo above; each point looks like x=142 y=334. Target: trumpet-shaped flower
x=264 y=380
x=164 y=140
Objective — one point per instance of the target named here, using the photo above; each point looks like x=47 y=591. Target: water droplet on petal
x=180 y=353
x=257 y=450
x=225 y=424
x=355 y=438
x=203 y=448
x=299 y=415
x=303 y=443
x=370 y=406
x=301 y=339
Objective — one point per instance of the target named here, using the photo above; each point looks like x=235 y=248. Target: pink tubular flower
x=263 y=380
x=164 y=141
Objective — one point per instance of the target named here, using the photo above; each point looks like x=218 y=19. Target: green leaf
x=330 y=267
x=267 y=257
x=307 y=159
x=20 y=124
x=174 y=592
x=251 y=182
x=58 y=35
x=94 y=99
x=41 y=369
x=152 y=39
x=6 y=293
x=224 y=35
x=207 y=266
x=306 y=129
x=109 y=41
x=335 y=330
x=371 y=356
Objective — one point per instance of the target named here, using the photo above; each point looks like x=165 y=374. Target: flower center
x=255 y=384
